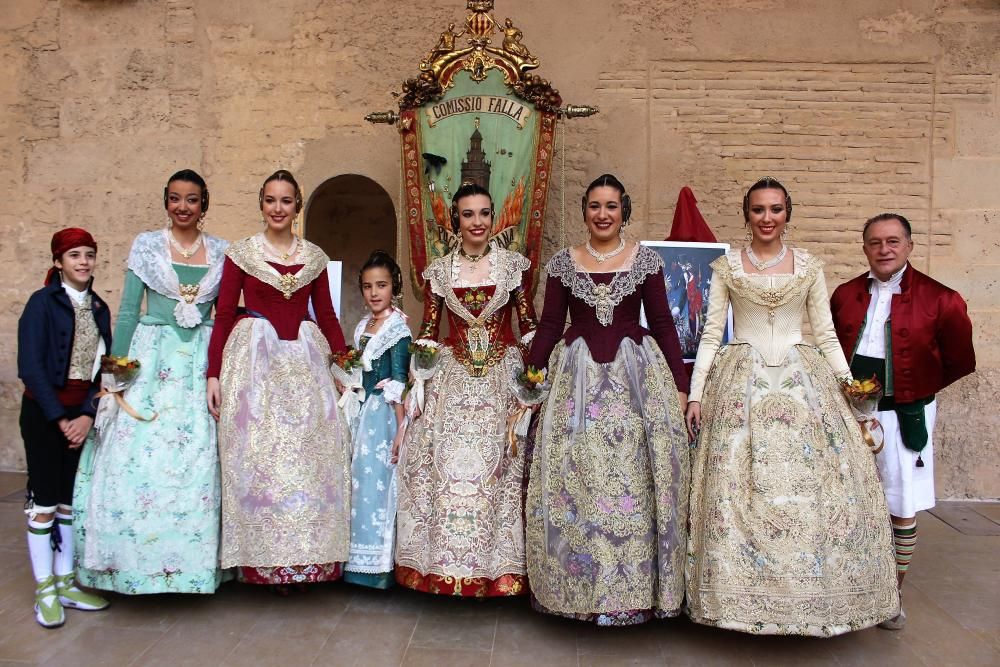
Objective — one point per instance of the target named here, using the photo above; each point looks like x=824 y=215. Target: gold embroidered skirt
x=608 y=489
x=790 y=533
x=459 y=515
x=284 y=449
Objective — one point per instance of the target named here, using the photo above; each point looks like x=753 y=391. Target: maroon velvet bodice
x=604 y=341
x=285 y=315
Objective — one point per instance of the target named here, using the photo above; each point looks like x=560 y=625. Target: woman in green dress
x=148 y=488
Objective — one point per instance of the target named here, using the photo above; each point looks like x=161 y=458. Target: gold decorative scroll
x=476 y=112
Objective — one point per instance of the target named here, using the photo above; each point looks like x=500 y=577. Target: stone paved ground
x=951 y=598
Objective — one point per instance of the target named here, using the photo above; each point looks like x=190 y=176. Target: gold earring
x=201 y=222
x=749 y=235
x=170 y=222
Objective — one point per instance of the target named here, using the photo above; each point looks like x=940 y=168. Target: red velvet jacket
x=931 y=332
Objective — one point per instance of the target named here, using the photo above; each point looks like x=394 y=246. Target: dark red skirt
x=290 y=574
x=479 y=587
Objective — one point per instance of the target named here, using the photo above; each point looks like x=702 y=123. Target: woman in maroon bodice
x=607 y=497
x=284 y=447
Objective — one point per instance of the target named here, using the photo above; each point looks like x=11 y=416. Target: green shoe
x=48 y=611
x=72 y=597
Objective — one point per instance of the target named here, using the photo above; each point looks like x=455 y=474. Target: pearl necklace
x=602 y=257
x=292 y=249
x=764 y=266
x=188 y=252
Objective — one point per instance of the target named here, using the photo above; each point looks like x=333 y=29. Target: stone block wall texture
x=858 y=106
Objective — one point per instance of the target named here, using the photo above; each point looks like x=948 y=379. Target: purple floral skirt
x=607 y=495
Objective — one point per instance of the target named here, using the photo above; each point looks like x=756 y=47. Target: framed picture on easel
x=688 y=275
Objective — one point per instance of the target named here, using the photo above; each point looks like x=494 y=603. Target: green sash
x=912 y=420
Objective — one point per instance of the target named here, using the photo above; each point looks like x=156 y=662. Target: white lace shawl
x=392 y=331
x=150 y=260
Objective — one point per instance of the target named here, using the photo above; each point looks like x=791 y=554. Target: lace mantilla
x=507 y=269
x=150 y=260
x=392 y=331
x=730 y=268
x=248 y=254
x=604 y=298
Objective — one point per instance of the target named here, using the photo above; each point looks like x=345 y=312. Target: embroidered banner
x=508 y=153
x=476 y=114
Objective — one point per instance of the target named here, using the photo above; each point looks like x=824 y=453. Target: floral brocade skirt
x=789 y=528
x=146 y=501
x=608 y=489
x=460 y=527
x=284 y=448
x=373 y=495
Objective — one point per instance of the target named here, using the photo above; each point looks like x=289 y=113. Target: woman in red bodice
x=283 y=446
x=460 y=527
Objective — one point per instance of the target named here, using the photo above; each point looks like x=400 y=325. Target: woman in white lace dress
x=459 y=517
x=789 y=528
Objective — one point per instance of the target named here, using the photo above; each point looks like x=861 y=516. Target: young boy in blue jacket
x=62 y=333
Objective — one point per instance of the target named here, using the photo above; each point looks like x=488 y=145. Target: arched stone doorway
x=348 y=216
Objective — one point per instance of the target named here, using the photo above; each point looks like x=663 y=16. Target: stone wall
x=858 y=106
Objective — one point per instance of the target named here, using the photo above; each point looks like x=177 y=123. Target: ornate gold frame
x=478 y=56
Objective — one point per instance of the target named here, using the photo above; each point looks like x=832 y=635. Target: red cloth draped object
x=689 y=225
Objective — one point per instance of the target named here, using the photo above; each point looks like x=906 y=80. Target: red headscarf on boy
x=67 y=239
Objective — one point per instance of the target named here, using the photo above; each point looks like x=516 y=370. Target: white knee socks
x=40 y=548
x=64 y=552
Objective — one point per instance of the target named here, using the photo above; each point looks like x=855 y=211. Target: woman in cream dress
x=789 y=528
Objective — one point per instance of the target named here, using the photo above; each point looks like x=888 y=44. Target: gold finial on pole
x=578 y=111
x=387 y=117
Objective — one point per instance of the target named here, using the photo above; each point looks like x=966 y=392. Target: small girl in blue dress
x=384 y=340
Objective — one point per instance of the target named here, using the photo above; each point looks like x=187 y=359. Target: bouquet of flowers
x=347 y=369
x=118 y=371
x=424 y=359
x=863 y=397
x=530 y=387
x=117 y=375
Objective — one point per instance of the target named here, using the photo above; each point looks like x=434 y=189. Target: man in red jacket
x=914 y=334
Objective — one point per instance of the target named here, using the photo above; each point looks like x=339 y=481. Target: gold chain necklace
x=473 y=258
x=372 y=321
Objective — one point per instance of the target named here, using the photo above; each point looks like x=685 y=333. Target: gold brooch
x=189 y=292
x=288 y=283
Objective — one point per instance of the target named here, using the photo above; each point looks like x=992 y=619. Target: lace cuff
x=392 y=390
